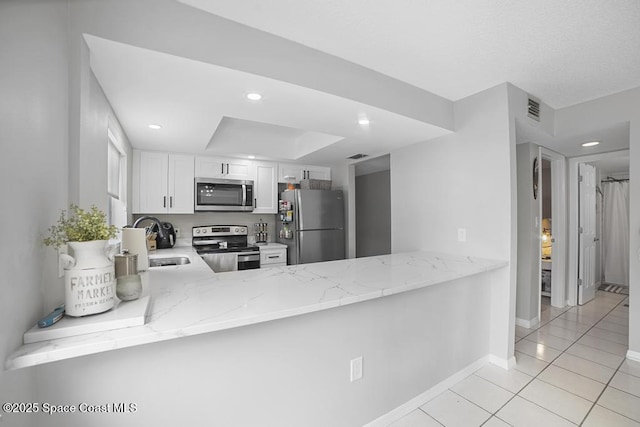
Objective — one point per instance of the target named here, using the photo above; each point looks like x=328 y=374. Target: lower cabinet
x=273 y=255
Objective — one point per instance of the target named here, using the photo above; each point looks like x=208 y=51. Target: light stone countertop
x=271 y=245
x=191 y=299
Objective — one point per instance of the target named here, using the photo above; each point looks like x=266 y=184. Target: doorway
x=373 y=207
x=607 y=164
x=547 y=238
x=552 y=228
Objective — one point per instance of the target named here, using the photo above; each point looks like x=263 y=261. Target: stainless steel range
x=225 y=247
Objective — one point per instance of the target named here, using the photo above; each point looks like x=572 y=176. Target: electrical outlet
x=462 y=234
x=356 y=369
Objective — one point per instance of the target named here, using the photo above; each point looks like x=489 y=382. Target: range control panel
x=220 y=230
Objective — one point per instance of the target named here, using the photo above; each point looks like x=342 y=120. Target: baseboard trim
x=422 y=398
x=633 y=355
x=527 y=323
x=503 y=363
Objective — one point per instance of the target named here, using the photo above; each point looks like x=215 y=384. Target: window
x=116 y=181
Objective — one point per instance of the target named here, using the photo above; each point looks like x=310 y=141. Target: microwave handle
x=244 y=195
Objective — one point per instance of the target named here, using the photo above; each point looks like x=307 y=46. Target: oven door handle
x=205 y=242
x=248 y=256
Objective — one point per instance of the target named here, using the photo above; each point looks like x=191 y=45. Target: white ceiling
x=563 y=52
x=611 y=138
x=203 y=109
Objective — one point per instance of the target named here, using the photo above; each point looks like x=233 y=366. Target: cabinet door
x=238 y=169
x=181 y=185
x=209 y=167
x=273 y=256
x=294 y=173
x=220 y=167
x=289 y=173
x=153 y=182
x=318 y=172
x=265 y=188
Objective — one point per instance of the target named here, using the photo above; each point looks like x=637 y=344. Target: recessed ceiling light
x=590 y=143
x=251 y=156
x=254 y=96
x=364 y=121
x=156 y=127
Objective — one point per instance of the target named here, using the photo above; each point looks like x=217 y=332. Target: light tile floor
x=570 y=370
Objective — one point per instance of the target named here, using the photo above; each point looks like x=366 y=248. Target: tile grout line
x=532 y=377
x=614 y=373
x=554 y=359
x=540 y=325
x=601 y=393
x=563 y=352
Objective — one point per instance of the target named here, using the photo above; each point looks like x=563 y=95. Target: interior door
x=587 y=234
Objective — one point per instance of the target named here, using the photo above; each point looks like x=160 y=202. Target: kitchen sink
x=164 y=261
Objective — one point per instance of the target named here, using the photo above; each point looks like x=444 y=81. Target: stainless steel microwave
x=230 y=195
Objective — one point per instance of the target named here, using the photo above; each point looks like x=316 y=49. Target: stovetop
x=221 y=239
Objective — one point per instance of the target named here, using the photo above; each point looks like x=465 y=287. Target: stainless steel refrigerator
x=314 y=230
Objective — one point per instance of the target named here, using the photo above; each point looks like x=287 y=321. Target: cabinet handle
x=255 y=203
x=164 y=202
x=222 y=168
x=227 y=168
x=170 y=201
x=273 y=256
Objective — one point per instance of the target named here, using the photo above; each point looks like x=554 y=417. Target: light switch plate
x=356 y=369
x=462 y=234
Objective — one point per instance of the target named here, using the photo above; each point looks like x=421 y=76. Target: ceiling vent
x=533 y=108
x=357 y=156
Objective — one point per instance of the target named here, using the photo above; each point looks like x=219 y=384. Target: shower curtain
x=615 y=235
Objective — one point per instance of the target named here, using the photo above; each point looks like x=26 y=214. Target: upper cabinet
x=294 y=173
x=265 y=188
x=219 y=167
x=162 y=183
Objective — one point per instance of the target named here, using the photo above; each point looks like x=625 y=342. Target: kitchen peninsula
x=191 y=299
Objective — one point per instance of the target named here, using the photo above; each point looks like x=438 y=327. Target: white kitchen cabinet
x=294 y=173
x=163 y=183
x=265 y=188
x=221 y=167
x=273 y=255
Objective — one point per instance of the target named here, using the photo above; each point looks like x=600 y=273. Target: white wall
x=33 y=173
x=289 y=372
x=527 y=299
x=620 y=107
x=528 y=258
x=464 y=180
x=97 y=117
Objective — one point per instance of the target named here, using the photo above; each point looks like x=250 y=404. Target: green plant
x=79 y=225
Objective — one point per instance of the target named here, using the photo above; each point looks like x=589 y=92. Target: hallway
x=571 y=370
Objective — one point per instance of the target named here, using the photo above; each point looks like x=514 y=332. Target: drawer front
x=273 y=256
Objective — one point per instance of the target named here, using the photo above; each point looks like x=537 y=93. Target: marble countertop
x=271 y=245
x=191 y=299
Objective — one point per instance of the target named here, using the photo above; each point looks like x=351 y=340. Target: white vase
x=89 y=278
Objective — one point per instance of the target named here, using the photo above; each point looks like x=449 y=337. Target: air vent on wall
x=357 y=156
x=533 y=108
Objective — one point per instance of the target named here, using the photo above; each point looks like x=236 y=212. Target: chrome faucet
x=151 y=218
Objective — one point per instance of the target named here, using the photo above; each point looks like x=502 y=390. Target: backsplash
x=186 y=222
